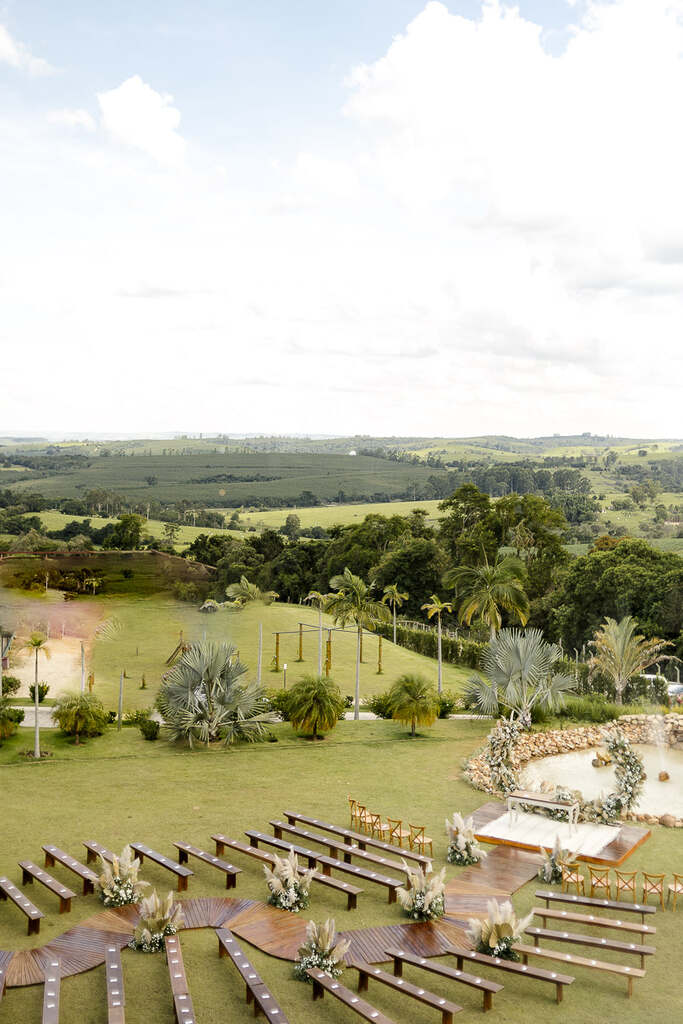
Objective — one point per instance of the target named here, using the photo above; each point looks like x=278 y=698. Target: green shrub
x=594 y=708
x=448 y=704
x=149 y=729
x=137 y=717
x=43 y=690
x=378 y=705
x=10 y=685
x=10 y=718
x=80 y=714
x=279 y=703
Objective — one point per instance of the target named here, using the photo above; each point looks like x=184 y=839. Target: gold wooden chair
x=626 y=882
x=571 y=875
x=653 y=885
x=599 y=879
x=377 y=827
x=353 y=811
x=417 y=838
x=675 y=887
x=363 y=818
x=396 y=831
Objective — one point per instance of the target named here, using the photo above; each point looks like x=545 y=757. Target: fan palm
x=622 y=654
x=413 y=701
x=319 y=601
x=203 y=698
x=36 y=644
x=394 y=597
x=519 y=666
x=437 y=607
x=488 y=590
x=316 y=704
x=245 y=592
x=353 y=602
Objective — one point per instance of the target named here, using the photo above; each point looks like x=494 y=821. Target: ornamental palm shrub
x=322 y=949
x=119 y=884
x=157 y=918
x=488 y=590
x=80 y=714
x=621 y=653
x=463 y=847
x=289 y=885
x=315 y=705
x=499 y=932
x=205 y=698
x=422 y=897
x=413 y=701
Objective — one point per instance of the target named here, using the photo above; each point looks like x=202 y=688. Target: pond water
x=575 y=771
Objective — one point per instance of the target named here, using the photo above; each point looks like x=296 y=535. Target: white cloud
x=138 y=116
x=17 y=55
x=72 y=119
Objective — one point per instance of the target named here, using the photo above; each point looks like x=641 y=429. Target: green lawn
x=119 y=788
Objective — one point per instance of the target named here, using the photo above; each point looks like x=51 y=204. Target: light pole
x=284 y=677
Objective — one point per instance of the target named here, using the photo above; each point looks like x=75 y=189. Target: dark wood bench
x=52 y=976
x=358 y=838
x=9 y=890
x=182 y=873
x=116 y=999
x=257 y=992
x=31 y=871
x=549 y=896
x=5 y=957
x=581 y=961
x=487 y=988
x=577 y=939
x=327 y=864
x=445 y=1007
x=352 y=892
x=523 y=970
x=185 y=850
x=595 y=922
x=182 y=1001
x=337 y=848
x=95 y=850
x=54 y=855
x=323 y=983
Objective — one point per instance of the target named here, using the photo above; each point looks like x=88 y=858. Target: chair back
x=395 y=830
x=599 y=876
x=626 y=881
x=653 y=883
x=417 y=835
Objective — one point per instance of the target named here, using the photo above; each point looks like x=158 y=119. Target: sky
x=380 y=217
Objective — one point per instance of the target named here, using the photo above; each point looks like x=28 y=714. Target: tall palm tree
x=315 y=703
x=319 y=601
x=36 y=644
x=435 y=606
x=488 y=590
x=353 y=602
x=519 y=667
x=245 y=592
x=394 y=597
x=414 y=701
x=622 y=654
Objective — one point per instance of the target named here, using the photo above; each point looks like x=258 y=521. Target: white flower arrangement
x=321 y=949
x=118 y=885
x=499 y=932
x=289 y=885
x=157 y=919
x=463 y=847
x=550 y=870
x=422 y=898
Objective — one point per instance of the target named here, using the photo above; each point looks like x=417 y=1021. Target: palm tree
x=622 y=654
x=487 y=590
x=519 y=665
x=80 y=714
x=36 y=643
x=319 y=601
x=413 y=701
x=437 y=607
x=394 y=597
x=245 y=592
x=315 y=703
x=202 y=698
x=354 y=603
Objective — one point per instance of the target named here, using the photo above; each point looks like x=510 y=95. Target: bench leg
x=392 y=896
x=221 y=949
x=630 y=988
x=312 y=862
x=558 y=992
x=49 y=860
x=642 y=962
x=230 y=881
x=64 y=904
x=351 y=901
x=326 y=870
x=90 y=857
x=488 y=1001
x=446 y=1017
x=182 y=883
x=318 y=990
x=183 y=856
x=398 y=967
x=525 y=958
x=362 y=981
x=3 y=895
x=249 y=995
x=34 y=926
x=220 y=848
x=277 y=831
x=26 y=877
x=253 y=842
x=88 y=887
x=458 y=963
x=347 y=857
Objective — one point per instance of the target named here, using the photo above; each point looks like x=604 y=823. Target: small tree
x=245 y=592
x=413 y=701
x=80 y=714
x=622 y=654
x=353 y=602
x=316 y=704
x=171 y=531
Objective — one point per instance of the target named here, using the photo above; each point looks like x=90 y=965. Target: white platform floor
x=538 y=830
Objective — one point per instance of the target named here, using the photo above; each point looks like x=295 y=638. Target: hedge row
x=457 y=652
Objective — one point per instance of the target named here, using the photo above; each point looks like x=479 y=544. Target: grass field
x=119 y=788
x=336 y=515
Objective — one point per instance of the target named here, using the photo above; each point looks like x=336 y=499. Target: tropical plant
x=119 y=884
x=322 y=949
x=487 y=590
x=10 y=685
x=413 y=701
x=550 y=870
x=43 y=690
x=36 y=644
x=80 y=714
x=621 y=653
x=202 y=698
x=353 y=602
x=158 y=918
x=315 y=704
x=435 y=606
x=463 y=847
x=519 y=668
x=245 y=592
x=10 y=718
x=422 y=897
x=499 y=932
x=149 y=729
x=289 y=885
x=319 y=601
x=394 y=597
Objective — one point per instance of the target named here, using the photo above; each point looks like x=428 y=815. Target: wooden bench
x=182 y=873
x=54 y=855
x=52 y=975
x=352 y=892
x=31 y=871
x=328 y=863
x=5 y=957
x=446 y=1008
x=358 y=838
x=581 y=961
x=487 y=988
x=593 y=921
x=9 y=889
x=116 y=999
x=182 y=1001
x=614 y=945
x=185 y=850
x=337 y=848
x=550 y=896
x=257 y=992
x=523 y=970
x=323 y=983
x=95 y=850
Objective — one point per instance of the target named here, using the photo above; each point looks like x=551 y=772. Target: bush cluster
x=10 y=685
x=462 y=651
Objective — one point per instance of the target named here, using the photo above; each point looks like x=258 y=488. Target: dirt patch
x=61 y=671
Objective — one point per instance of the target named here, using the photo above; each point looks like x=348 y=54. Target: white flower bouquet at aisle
x=118 y=885
x=499 y=932
x=289 y=887
x=157 y=919
x=422 y=898
x=322 y=949
x=463 y=847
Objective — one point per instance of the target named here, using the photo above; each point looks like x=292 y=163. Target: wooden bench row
x=579 y=939
x=359 y=839
x=257 y=992
x=116 y=1000
x=593 y=920
x=182 y=1001
x=8 y=890
x=487 y=988
x=551 y=896
x=337 y=848
x=52 y=978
